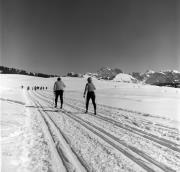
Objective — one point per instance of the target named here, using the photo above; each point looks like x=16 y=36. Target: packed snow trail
x=87 y=162
x=165 y=142
x=160 y=153
x=65 y=159
x=133 y=149
x=92 y=129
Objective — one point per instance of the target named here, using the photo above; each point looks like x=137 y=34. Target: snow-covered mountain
x=162 y=77
x=122 y=77
x=168 y=77
x=108 y=73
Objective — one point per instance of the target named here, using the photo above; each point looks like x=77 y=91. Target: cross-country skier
x=89 y=88
x=58 y=91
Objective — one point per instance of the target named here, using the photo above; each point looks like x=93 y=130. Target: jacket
x=59 y=85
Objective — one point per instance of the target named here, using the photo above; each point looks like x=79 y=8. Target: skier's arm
x=85 y=90
x=54 y=89
x=94 y=87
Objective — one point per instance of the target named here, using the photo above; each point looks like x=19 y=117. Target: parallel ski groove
x=159 y=165
x=49 y=122
x=163 y=142
x=57 y=158
x=151 y=137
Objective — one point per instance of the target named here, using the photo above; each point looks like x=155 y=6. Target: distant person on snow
x=58 y=91
x=89 y=88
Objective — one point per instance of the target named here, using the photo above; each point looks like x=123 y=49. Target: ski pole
x=53 y=98
x=84 y=100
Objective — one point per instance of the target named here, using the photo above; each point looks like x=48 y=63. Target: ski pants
x=90 y=95
x=57 y=94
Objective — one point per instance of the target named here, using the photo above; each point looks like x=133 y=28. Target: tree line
x=7 y=70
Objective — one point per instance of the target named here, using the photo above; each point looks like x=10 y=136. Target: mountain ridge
x=161 y=78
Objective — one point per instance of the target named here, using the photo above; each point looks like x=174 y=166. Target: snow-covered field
x=137 y=127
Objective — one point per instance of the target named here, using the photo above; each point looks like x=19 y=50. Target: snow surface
x=149 y=110
x=22 y=142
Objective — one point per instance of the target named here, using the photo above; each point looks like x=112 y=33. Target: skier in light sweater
x=58 y=91
x=89 y=88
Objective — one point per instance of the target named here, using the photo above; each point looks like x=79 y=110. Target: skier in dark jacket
x=58 y=91
x=89 y=88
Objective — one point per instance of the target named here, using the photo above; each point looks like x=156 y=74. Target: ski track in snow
x=64 y=154
x=90 y=168
x=138 y=125
x=131 y=143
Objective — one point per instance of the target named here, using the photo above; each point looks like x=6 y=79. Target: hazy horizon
x=57 y=37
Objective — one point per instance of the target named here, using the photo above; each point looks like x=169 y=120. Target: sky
x=60 y=36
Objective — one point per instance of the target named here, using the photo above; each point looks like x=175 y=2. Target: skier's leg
x=61 y=97
x=56 y=98
x=93 y=97
x=87 y=101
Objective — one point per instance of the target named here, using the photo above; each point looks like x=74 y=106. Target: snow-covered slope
x=122 y=77
x=145 y=117
x=120 y=94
